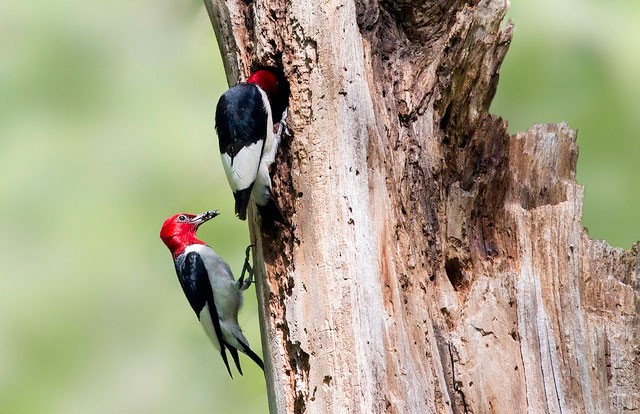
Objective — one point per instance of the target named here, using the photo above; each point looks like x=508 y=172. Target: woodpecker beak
x=204 y=217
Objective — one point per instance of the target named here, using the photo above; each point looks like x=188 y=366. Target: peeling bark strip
x=437 y=264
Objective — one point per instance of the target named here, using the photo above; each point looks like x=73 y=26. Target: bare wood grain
x=436 y=263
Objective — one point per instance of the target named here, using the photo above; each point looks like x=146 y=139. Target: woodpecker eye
x=182 y=218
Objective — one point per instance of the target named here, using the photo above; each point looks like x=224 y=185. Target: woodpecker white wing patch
x=242 y=170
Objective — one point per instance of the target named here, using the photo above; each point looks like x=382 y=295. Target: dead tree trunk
x=437 y=264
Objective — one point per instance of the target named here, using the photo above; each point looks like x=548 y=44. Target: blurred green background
x=579 y=61
x=106 y=129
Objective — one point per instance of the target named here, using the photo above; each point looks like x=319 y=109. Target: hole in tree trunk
x=453 y=267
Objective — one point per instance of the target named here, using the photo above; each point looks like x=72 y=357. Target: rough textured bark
x=437 y=264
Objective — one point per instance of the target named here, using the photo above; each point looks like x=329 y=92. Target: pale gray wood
x=436 y=263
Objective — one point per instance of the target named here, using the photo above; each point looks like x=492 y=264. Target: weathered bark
x=436 y=263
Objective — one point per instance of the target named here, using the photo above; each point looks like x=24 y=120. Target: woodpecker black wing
x=242 y=116
x=194 y=280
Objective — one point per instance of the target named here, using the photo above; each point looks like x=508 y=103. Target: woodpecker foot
x=246 y=268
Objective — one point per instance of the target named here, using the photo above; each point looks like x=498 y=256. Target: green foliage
x=106 y=127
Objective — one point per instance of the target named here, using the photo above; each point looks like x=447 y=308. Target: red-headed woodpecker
x=245 y=119
x=214 y=295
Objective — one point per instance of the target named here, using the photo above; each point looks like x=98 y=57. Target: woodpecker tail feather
x=224 y=357
x=254 y=357
x=242 y=202
x=236 y=359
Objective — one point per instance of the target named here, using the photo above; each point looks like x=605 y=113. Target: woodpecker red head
x=266 y=79
x=245 y=118
x=179 y=230
x=206 y=279
x=275 y=84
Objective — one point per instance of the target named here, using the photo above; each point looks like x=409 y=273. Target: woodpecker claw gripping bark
x=246 y=268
